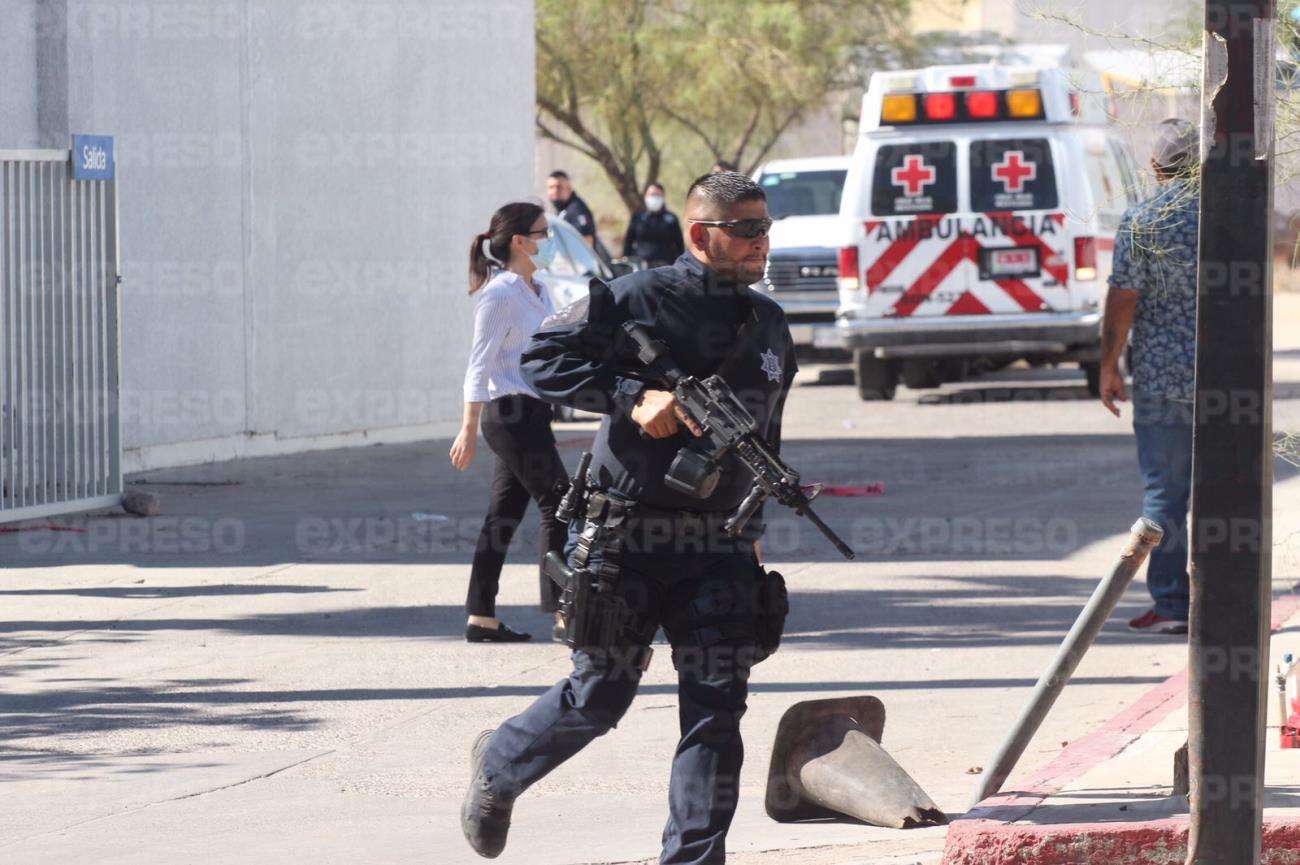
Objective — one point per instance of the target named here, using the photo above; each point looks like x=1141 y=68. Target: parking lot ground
x=273 y=669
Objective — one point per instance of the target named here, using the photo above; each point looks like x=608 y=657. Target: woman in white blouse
x=509 y=308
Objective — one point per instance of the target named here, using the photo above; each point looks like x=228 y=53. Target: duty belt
x=644 y=528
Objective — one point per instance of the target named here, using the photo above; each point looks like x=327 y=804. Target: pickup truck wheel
x=876 y=379
x=1092 y=372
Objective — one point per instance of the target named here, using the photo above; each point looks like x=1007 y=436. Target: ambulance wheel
x=922 y=374
x=1092 y=372
x=876 y=379
x=954 y=369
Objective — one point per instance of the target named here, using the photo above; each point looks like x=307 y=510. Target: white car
x=570 y=274
x=575 y=263
x=803 y=197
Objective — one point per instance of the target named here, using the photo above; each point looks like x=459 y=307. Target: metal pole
x=1145 y=537
x=1232 y=444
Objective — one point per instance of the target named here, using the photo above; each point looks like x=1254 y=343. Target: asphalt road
x=273 y=670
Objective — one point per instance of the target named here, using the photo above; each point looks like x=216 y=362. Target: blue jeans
x=1164 y=443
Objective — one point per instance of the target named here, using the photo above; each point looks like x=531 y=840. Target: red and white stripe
x=941 y=275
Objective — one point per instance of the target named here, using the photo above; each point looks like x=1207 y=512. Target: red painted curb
x=980 y=842
x=985 y=835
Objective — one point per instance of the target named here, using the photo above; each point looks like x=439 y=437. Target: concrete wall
x=299 y=181
x=18 y=86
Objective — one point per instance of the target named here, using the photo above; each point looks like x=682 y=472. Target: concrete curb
x=985 y=842
x=990 y=834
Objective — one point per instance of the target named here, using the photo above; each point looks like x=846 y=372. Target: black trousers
x=518 y=430
x=684 y=590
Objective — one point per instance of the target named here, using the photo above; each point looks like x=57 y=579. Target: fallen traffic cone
x=827 y=762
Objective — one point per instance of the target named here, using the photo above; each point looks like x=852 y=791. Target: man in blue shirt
x=1153 y=293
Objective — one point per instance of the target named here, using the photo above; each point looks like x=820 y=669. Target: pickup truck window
x=803 y=193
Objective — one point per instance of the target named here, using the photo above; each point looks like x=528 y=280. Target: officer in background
x=676 y=569
x=654 y=235
x=570 y=207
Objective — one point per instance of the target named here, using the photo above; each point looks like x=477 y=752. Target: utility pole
x=1232 y=451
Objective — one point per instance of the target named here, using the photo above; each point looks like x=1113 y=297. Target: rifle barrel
x=845 y=549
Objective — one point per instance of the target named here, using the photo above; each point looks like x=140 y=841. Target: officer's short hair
x=558 y=175
x=725 y=190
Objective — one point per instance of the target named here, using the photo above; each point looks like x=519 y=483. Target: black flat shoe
x=502 y=634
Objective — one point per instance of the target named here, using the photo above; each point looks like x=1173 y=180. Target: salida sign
x=92 y=157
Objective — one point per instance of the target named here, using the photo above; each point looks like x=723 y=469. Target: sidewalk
x=1108 y=796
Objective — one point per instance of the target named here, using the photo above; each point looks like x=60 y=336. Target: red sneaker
x=1152 y=622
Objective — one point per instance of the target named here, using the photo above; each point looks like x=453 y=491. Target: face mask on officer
x=654 y=202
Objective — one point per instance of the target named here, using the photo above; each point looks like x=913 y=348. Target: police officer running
x=675 y=567
x=654 y=234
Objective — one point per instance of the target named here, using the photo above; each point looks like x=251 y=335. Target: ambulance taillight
x=898 y=108
x=1025 y=103
x=1085 y=258
x=941 y=106
x=850 y=276
x=982 y=105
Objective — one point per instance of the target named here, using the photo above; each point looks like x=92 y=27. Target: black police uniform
x=693 y=581
x=655 y=237
x=576 y=212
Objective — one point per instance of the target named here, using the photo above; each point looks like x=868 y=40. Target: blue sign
x=92 y=157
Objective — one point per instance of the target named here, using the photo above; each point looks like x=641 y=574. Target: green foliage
x=640 y=86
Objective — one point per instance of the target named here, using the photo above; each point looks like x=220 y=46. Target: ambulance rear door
x=1019 y=246
x=913 y=262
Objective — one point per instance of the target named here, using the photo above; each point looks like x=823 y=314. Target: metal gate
x=60 y=443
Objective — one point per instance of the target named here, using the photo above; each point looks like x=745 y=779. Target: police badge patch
x=771 y=366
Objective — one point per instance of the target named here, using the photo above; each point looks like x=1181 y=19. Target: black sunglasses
x=748 y=228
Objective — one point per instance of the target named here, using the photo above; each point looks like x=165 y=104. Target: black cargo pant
x=518 y=430
x=704 y=596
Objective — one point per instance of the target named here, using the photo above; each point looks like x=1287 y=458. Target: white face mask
x=654 y=203
x=545 y=254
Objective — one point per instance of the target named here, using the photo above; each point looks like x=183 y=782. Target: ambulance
x=982 y=203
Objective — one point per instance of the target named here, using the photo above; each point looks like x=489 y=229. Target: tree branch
x=693 y=127
x=552 y=136
x=772 y=139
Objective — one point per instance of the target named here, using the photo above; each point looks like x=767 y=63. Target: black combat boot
x=484 y=816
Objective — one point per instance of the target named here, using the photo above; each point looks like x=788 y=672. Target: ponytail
x=491 y=249
x=480 y=265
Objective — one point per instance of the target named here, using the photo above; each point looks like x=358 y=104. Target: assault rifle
x=728 y=428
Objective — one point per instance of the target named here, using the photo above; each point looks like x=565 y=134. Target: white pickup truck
x=803 y=196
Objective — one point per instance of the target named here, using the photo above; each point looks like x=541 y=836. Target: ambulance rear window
x=1012 y=174
x=915 y=178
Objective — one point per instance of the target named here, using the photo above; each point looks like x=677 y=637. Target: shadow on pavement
x=946 y=499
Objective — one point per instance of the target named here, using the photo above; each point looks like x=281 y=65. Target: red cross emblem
x=913 y=175
x=1014 y=170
